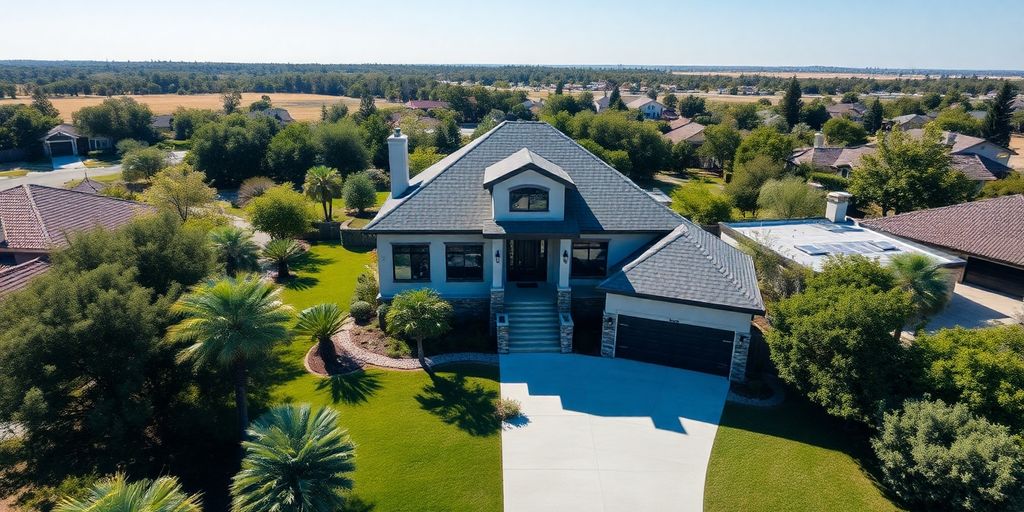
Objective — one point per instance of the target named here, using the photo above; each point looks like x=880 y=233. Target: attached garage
x=61 y=148
x=685 y=302
x=995 y=276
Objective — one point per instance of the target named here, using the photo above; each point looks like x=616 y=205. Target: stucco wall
x=620 y=246
x=682 y=313
x=556 y=197
x=438 y=280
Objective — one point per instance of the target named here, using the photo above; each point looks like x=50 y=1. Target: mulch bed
x=344 y=364
x=371 y=338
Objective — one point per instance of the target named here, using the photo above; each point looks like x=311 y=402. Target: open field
x=304 y=107
x=1017 y=144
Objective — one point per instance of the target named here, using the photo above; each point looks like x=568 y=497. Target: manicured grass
x=93 y=163
x=792 y=457
x=106 y=178
x=422 y=443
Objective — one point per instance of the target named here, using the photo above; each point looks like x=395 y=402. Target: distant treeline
x=403 y=82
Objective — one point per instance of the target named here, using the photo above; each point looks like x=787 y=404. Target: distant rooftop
x=810 y=242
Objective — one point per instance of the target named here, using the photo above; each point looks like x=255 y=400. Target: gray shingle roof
x=691 y=266
x=449 y=195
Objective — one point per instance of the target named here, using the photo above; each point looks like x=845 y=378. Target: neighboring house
x=66 y=140
x=17 y=277
x=960 y=144
x=1017 y=104
x=988 y=233
x=278 y=114
x=163 y=122
x=852 y=111
x=429 y=124
x=651 y=109
x=811 y=242
x=426 y=104
x=908 y=122
x=601 y=104
x=527 y=228
x=89 y=186
x=839 y=160
x=684 y=129
x=771 y=118
x=35 y=219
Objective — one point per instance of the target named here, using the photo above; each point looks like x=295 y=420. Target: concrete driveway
x=973 y=307
x=607 y=434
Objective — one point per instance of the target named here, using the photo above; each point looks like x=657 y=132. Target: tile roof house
x=162 y=122
x=426 y=104
x=853 y=111
x=988 y=233
x=527 y=228
x=687 y=130
x=17 y=277
x=961 y=144
x=840 y=160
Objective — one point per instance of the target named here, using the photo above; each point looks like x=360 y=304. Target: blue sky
x=980 y=34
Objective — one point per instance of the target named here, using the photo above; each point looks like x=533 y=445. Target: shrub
x=119 y=191
x=361 y=311
x=126 y=146
x=844 y=132
x=791 y=198
x=360 y=193
x=397 y=349
x=252 y=188
x=700 y=204
x=507 y=409
x=380 y=178
x=142 y=163
x=831 y=182
x=367 y=288
x=382 y=314
x=935 y=456
x=423 y=157
x=281 y=212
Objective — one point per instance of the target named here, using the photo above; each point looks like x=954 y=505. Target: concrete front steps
x=532 y=327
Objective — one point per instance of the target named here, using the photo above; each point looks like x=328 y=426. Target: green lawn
x=421 y=444
x=793 y=458
x=340 y=214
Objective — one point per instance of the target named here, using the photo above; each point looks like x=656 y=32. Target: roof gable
x=522 y=161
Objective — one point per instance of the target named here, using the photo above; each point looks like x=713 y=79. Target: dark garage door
x=1000 y=278
x=60 y=148
x=671 y=344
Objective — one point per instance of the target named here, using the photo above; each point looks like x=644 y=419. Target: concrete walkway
x=974 y=307
x=607 y=434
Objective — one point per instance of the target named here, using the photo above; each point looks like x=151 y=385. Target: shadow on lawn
x=356 y=504
x=353 y=388
x=299 y=283
x=457 y=402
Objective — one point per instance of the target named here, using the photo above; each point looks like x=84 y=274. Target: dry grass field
x=304 y=107
x=1017 y=144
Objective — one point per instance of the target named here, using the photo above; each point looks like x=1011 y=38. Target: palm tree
x=323 y=184
x=419 y=314
x=235 y=249
x=926 y=282
x=297 y=459
x=321 y=322
x=116 y=494
x=231 y=322
x=283 y=253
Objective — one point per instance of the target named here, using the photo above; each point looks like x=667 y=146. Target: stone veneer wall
x=608 y=334
x=565 y=328
x=564 y=300
x=477 y=307
x=501 y=327
x=497 y=304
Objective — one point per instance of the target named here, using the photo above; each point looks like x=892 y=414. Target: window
x=464 y=262
x=528 y=199
x=411 y=262
x=589 y=259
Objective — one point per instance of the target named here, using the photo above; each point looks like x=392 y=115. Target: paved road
x=59 y=177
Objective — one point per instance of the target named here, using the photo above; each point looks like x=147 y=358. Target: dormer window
x=528 y=199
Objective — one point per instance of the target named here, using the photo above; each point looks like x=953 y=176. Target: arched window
x=528 y=199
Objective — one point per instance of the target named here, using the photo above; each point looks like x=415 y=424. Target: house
x=601 y=104
x=526 y=228
x=651 y=109
x=852 y=111
x=276 y=113
x=163 y=122
x=989 y=234
x=960 y=144
x=811 y=242
x=684 y=129
x=66 y=140
x=17 y=277
x=908 y=122
x=425 y=104
x=835 y=159
x=35 y=219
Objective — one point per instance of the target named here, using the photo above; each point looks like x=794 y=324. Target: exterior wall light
x=497 y=256
x=565 y=256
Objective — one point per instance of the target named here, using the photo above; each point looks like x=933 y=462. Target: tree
x=291 y=152
x=558 y=87
x=21 y=127
x=746 y=116
x=117 y=118
x=366 y=106
x=423 y=157
x=1010 y=185
x=419 y=315
x=231 y=323
x=697 y=202
x=840 y=131
x=297 y=459
x=233 y=148
x=935 y=456
x=815 y=114
x=283 y=253
x=375 y=131
x=143 y=163
x=251 y=188
x=447 y=138
x=874 y=117
x=791 y=198
x=341 y=146
x=336 y=112
x=323 y=185
x=790 y=105
x=615 y=100
x=956 y=119
x=125 y=146
x=321 y=322
x=720 y=144
x=281 y=212
x=996 y=127
x=235 y=249
x=670 y=100
x=764 y=141
x=691 y=106
x=684 y=156
x=360 y=193
x=42 y=103
x=261 y=104
x=230 y=100
x=652 y=92
x=180 y=189
x=748 y=179
x=187 y=120
x=908 y=173
x=921 y=277
x=980 y=368
x=834 y=341
x=117 y=494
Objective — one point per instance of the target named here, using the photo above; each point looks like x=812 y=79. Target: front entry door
x=527 y=260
